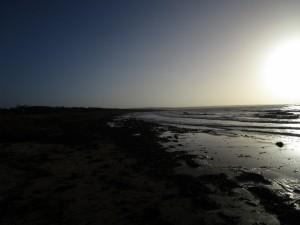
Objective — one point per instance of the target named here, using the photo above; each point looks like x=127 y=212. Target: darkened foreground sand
x=66 y=166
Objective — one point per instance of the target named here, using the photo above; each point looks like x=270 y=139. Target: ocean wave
x=279 y=120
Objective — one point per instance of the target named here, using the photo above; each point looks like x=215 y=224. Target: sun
x=281 y=71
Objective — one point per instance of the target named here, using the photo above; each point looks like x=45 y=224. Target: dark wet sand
x=66 y=166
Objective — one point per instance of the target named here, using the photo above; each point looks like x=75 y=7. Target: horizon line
x=146 y=107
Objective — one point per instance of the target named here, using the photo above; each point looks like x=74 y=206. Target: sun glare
x=282 y=71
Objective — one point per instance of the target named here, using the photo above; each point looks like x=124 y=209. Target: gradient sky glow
x=140 y=53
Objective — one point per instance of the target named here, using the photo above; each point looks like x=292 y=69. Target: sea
x=264 y=139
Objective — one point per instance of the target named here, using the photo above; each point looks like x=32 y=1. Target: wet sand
x=67 y=166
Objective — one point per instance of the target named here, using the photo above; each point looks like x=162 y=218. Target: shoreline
x=121 y=175
x=260 y=187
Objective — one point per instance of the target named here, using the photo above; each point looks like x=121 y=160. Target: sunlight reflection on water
x=235 y=139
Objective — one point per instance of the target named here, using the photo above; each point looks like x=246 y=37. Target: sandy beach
x=68 y=166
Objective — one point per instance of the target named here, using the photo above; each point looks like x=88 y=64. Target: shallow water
x=231 y=139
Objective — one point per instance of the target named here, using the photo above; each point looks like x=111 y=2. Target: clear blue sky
x=140 y=53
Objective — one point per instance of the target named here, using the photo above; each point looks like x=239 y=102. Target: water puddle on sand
x=232 y=153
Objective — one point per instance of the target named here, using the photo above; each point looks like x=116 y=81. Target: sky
x=157 y=53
